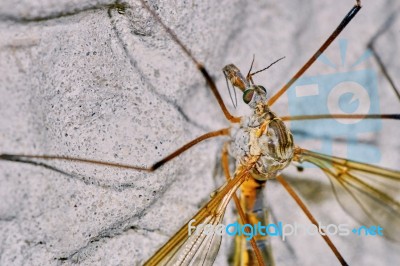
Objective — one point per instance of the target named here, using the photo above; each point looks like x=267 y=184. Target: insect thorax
x=262 y=135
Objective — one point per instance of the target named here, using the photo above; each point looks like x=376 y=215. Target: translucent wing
x=368 y=193
x=202 y=248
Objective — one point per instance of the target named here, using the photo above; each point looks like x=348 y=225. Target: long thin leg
x=371 y=46
x=243 y=217
x=341 y=116
x=294 y=195
x=200 y=66
x=383 y=69
x=22 y=157
x=314 y=57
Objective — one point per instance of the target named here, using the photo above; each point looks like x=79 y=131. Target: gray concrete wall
x=78 y=78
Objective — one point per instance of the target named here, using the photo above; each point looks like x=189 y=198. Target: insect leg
x=314 y=57
x=301 y=204
x=210 y=82
x=341 y=116
x=25 y=158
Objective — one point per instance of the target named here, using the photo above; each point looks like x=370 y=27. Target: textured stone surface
x=77 y=78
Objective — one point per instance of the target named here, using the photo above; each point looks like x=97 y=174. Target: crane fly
x=360 y=182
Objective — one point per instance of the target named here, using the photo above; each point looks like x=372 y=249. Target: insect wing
x=201 y=247
x=366 y=192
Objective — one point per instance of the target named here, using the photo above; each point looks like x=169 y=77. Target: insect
x=85 y=243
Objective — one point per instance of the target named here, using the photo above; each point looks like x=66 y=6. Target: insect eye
x=262 y=88
x=248 y=95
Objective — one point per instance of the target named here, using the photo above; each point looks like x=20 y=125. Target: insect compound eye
x=262 y=88
x=248 y=95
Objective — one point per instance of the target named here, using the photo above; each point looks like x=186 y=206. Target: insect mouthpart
x=235 y=77
x=252 y=94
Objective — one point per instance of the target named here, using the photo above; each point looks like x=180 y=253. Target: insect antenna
x=250 y=75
